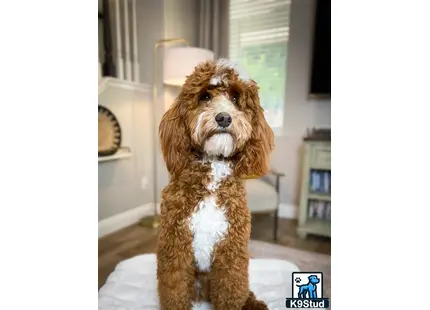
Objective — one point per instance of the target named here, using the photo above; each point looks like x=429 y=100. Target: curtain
x=213 y=26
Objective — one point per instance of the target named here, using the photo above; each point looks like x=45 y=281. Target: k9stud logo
x=307 y=291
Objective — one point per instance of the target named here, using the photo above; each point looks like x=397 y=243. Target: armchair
x=263 y=197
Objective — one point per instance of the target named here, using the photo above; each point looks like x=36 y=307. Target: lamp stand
x=153 y=221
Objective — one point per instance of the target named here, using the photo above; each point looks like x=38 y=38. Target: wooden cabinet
x=315 y=198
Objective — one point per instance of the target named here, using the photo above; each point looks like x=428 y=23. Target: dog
x=309 y=289
x=212 y=138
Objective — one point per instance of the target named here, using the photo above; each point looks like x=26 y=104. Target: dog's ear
x=253 y=160
x=174 y=139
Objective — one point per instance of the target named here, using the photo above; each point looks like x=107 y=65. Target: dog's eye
x=205 y=97
x=235 y=98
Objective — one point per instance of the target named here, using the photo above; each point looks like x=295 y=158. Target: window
x=258 y=37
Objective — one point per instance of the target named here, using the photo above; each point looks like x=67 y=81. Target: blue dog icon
x=310 y=288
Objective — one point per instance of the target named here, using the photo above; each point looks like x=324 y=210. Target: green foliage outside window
x=266 y=65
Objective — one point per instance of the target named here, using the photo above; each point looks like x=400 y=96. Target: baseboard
x=125 y=219
x=287 y=211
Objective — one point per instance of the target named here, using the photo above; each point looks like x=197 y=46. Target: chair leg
x=275 y=226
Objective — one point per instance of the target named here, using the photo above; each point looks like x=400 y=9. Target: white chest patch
x=208 y=223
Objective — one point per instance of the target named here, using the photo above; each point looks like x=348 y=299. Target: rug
x=306 y=261
x=133 y=284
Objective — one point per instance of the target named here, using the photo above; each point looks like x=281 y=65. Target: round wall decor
x=109 y=132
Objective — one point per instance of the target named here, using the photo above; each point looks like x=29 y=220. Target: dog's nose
x=223 y=119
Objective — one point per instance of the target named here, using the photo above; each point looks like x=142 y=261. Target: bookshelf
x=315 y=198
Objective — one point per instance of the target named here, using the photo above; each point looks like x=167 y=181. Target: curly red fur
x=175 y=142
x=194 y=146
x=253 y=161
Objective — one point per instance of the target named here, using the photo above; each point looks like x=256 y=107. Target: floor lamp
x=178 y=62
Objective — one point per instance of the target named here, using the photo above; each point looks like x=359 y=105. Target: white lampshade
x=181 y=61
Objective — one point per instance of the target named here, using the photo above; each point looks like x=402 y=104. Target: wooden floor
x=136 y=240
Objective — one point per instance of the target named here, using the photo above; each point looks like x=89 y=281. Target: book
x=320 y=182
x=312 y=210
x=321 y=210
x=315 y=181
x=326 y=182
x=327 y=214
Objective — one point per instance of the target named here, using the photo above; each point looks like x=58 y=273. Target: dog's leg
x=175 y=272
x=175 y=285
x=229 y=286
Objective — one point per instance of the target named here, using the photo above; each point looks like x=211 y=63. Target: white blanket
x=133 y=284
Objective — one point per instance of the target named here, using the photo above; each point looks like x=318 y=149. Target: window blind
x=258 y=36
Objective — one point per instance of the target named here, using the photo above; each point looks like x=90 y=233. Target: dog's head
x=217 y=114
x=313 y=279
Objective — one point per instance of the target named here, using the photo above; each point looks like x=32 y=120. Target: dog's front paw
x=252 y=303
x=258 y=305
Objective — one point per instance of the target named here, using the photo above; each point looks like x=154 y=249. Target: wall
x=180 y=20
x=300 y=112
x=159 y=20
x=120 y=182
